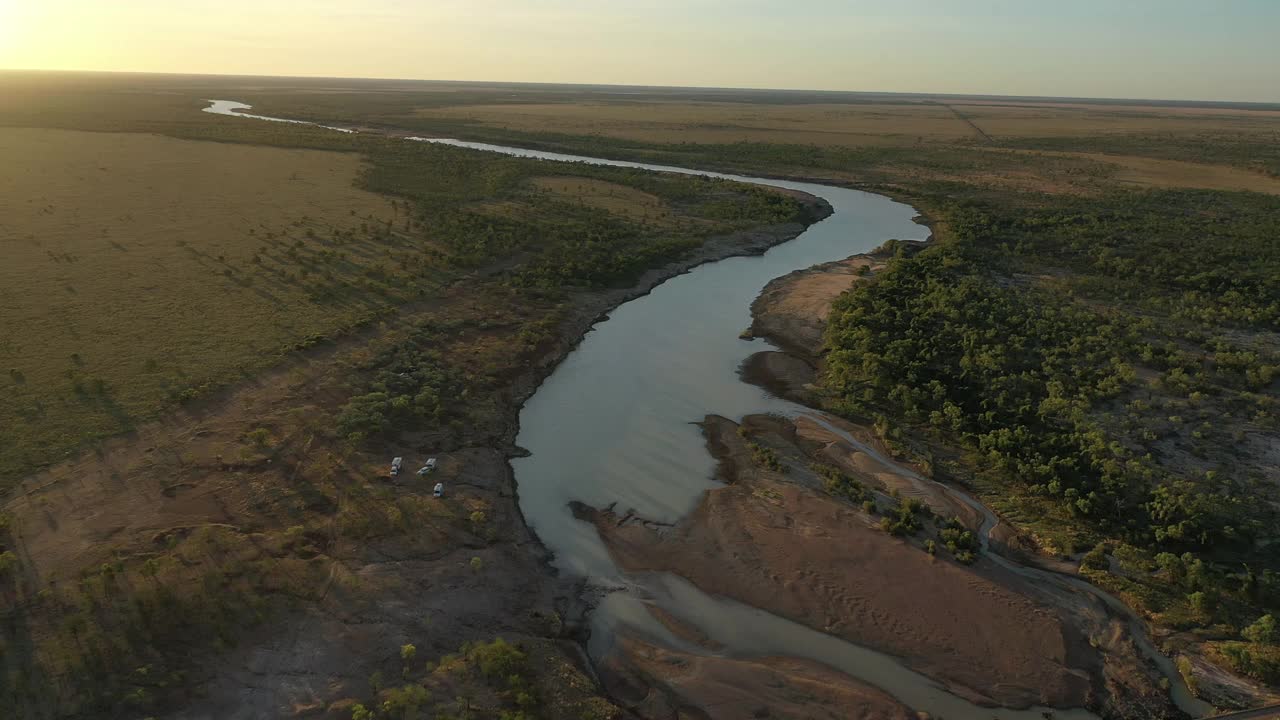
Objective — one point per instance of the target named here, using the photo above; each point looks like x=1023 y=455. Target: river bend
x=613 y=425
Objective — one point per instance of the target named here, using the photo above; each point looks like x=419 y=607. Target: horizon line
x=1261 y=104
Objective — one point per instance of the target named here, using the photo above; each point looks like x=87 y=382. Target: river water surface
x=613 y=425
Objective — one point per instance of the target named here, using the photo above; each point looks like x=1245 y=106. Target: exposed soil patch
x=783 y=374
x=662 y=684
x=792 y=310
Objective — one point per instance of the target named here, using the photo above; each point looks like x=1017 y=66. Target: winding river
x=612 y=425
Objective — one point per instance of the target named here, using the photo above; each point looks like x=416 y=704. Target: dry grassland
x=129 y=273
x=851 y=125
x=826 y=125
x=1078 y=120
x=1159 y=173
x=921 y=124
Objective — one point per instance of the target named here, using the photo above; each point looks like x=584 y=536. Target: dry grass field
x=927 y=126
x=850 y=125
x=139 y=268
x=1001 y=120
x=1139 y=171
x=718 y=122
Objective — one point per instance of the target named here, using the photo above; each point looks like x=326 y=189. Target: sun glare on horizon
x=8 y=22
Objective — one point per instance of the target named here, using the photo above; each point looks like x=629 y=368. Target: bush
x=498 y=660
x=901 y=523
x=841 y=485
x=1262 y=632
x=259 y=438
x=1173 y=566
x=959 y=540
x=765 y=457
x=8 y=563
x=1202 y=603
x=1095 y=559
x=404 y=703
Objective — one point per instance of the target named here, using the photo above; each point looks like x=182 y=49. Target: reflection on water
x=233 y=108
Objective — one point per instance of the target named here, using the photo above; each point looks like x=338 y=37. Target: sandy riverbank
x=795 y=552
x=664 y=683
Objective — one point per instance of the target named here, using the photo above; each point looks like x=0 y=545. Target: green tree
x=1202 y=603
x=1173 y=565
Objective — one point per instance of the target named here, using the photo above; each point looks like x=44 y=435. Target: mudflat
x=663 y=681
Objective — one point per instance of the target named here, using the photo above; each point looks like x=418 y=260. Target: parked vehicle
x=439 y=490
x=429 y=467
x=395 y=466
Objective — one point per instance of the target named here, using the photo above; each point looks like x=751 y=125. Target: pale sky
x=1174 y=49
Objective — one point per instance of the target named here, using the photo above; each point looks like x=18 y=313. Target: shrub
x=1262 y=632
x=1202 y=603
x=904 y=522
x=1173 y=566
x=959 y=540
x=841 y=485
x=403 y=703
x=1095 y=559
x=259 y=437
x=498 y=660
x=765 y=457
